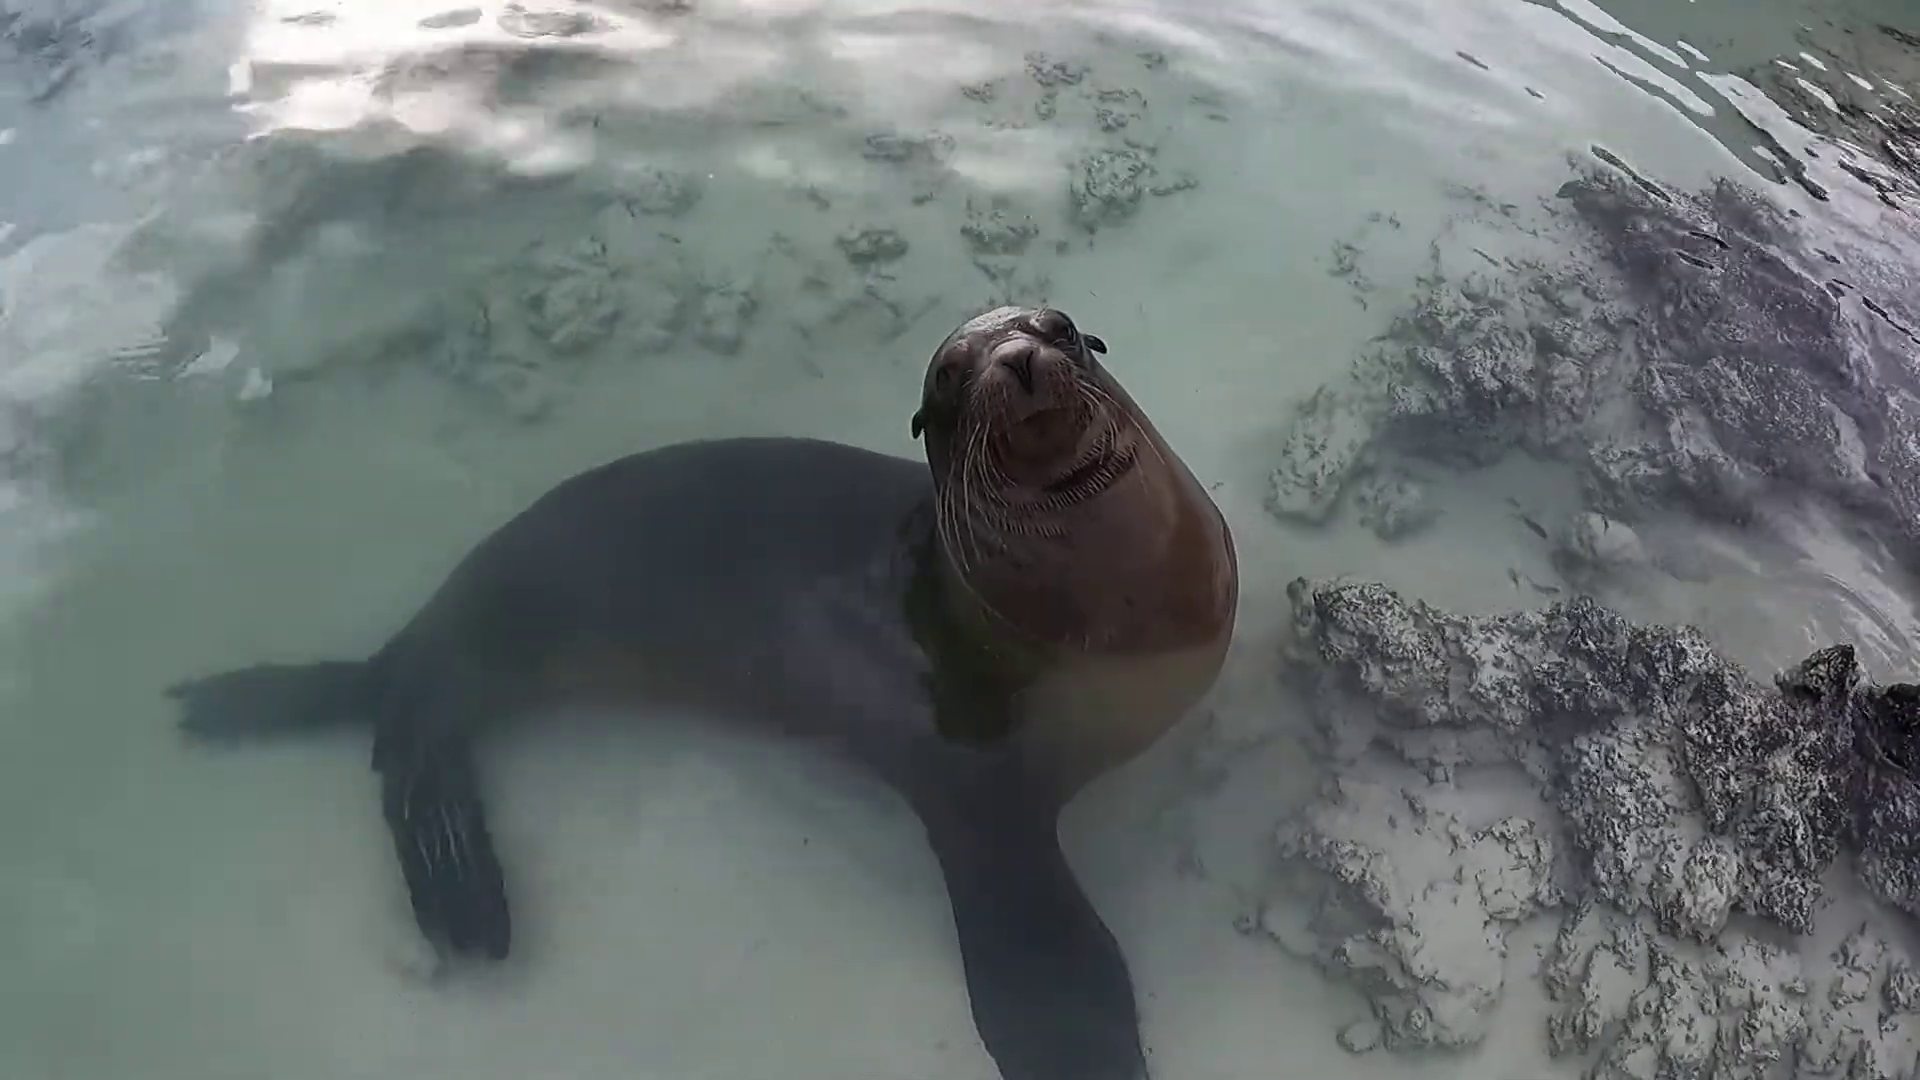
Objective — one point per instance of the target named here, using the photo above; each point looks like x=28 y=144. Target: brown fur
x=1135 y=560
x=1079 y=550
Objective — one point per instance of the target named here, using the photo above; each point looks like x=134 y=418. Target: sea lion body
x=983 y=655
x=720 y=605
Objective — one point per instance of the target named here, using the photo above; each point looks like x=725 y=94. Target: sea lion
x=986 y=632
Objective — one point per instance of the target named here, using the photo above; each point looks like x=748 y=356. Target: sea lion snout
x=1026 y=378
x=1015 y=358
x=1030 y=403
x=1012 y=383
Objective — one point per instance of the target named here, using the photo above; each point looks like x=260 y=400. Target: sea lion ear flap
x=1094 y=343
x=919 y=422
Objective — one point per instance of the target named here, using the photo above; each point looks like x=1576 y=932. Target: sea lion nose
x=1018 y=360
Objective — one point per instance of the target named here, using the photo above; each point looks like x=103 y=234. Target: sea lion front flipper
x=269 y=699
x=432 y=804
x=1050 y=991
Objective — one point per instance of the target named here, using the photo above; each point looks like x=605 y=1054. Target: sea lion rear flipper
x=433 y=808
x=1050 y=991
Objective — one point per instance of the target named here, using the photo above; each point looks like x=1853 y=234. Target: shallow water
x=298 y=299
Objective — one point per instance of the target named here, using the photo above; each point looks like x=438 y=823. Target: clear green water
x=297 y=299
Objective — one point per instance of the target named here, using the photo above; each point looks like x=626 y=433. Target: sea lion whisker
x=969 y=489
x=949 y=502
x=952 y=506
x=1118 y=409
x=970 y=505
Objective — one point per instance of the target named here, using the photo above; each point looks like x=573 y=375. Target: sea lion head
x=1019 y=383
x=1059 y=506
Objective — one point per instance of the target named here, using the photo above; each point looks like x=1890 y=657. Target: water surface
x=298 y=299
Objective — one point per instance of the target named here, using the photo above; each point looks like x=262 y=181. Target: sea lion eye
x=945 y=378
x=1054 y=326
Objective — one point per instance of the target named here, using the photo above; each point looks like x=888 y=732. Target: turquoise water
x=298 y=298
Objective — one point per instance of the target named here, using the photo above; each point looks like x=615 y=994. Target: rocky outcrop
x=1858 y=99
x=1702 y=358
x=1628 y=782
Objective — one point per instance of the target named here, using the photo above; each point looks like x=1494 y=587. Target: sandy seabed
x=465 y=252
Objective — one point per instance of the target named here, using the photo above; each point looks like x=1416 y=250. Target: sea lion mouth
x=1030 y=437
x=1101 y=469
x=1042 y=418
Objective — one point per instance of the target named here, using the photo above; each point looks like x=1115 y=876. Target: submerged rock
x=897 y=149
x=1593 y=547
x=1107 y=184
x=1870 y=124
x=867 y=247
x=995 y=227
x=662 y=192
x=1704 y=359
x=724 y=315
x=1327 y=442
x=571 y=296
x=1394 y=506
x=46 y=43
x=1664 y=792
x=1416 y=904
x=1645 y=1007
x=522 y=22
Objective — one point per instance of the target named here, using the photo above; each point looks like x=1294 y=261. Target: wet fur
x=1077 y=546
